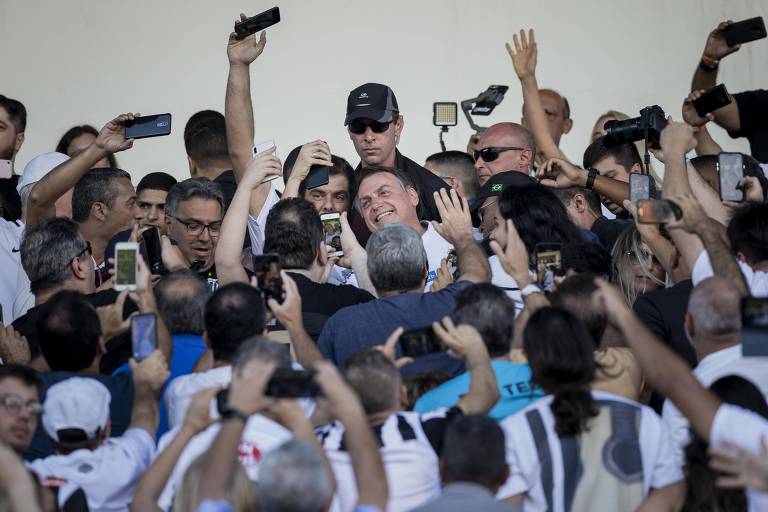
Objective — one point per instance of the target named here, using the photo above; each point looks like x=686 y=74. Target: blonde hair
x=239 y=493
x=626 y=251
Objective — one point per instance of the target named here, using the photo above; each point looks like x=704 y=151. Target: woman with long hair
x=578 y=449
x=635 y=269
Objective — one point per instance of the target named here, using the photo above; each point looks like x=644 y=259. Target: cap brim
x=372 y=113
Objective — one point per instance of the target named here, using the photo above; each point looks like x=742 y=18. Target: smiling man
x=386 y=195
x=194 y=210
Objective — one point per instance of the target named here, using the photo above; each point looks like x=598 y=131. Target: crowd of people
x=437 y=364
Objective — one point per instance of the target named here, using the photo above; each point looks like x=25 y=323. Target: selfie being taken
x=326 y=257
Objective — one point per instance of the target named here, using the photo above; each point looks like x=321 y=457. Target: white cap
x=39 y=167
x=77 y=403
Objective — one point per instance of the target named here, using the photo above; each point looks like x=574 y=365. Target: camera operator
x=743 y=117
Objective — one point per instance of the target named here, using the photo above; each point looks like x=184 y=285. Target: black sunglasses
x=491 y=154
x=358 y=126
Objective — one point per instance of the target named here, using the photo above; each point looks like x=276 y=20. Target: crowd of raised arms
x=503 y=328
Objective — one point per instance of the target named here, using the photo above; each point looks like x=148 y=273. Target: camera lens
x=621 y=132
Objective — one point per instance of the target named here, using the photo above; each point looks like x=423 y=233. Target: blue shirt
x=187 y=349
x=514 y=382
x=362 y=326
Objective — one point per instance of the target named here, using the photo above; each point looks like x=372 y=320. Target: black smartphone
x=286 y=383
x=754 y=326
x=154 y=250
x=639 y=187
x=745 y=31
x=419 y=342
x=257 y=23
x=318 y=176
x=713 y=99
x=148 y=126
x=267 y=269
x=143 y=335
x=658 y=211
x=730 y=168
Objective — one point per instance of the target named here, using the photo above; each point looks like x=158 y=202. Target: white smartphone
x=126 y=265
x=332 y=231
x=6 y=169
x=259 y=149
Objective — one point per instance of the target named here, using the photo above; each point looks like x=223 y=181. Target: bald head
x=714 y=310
x=558 y=113
x=506 y=135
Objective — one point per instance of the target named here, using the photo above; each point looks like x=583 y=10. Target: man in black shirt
x=13 y=122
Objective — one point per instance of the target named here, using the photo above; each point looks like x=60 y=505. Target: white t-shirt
x=436 y=248
x=719 y=364
x=256 y=225
x=108 y=475
x=744 y=428
x=626 y=452
x=408 y=443
x=757 y=280
x=261 y=436
x=506 y=282
x=180 y=391
x=15 y=296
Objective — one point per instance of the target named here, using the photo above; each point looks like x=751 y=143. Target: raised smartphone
x=267 y=269
x=318 y=176
x=639 y=187
x=286 y=383
x=332 y=231
x=658 y=211
x=126 y=265
x=262 y=147
x=745 y=31
x=154 y=250
x=257 y=23
x=419 y=342
x=143 y=335
x=712 y=99
x=149 y=126
x=730 y=168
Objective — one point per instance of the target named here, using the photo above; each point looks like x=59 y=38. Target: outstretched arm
x=524 y=57
x=560 y=173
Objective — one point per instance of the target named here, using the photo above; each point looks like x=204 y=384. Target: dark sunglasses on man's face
x=358 y=126
x=491 y=154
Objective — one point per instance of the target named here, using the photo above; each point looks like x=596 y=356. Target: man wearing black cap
x=374 y=124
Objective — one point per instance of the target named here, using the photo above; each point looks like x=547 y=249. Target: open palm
x=523 y=54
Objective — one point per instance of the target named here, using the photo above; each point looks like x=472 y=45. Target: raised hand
x=444 y=277
x=289 y=311
x=559 y=173
x=514 y=256
x=111 y=138
x=690 y=116
x=246 y=391
x=245 y=51
x=463 y=341
x=198 y=416
x=716 y=46
x=524 y=54
x=389 y=349
x=694 y=219
x=152 y=370
x=454 y=214
x=677 y=139
x=13 y=346
x=261 y=168
x=312 y=153
x=111 y=317
x=349 y=244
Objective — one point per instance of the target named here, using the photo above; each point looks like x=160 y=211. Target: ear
x=79 y=268
x=18 y=142
x=579 y=203
x=636 y=168
x=567 y=125
x=322 y=253
x=527 y=156
x=413 y=196
x=403 y=396
x=689 y=324
x=99 y=211
x=740 y=256
x=399 y=124
x=192 y=166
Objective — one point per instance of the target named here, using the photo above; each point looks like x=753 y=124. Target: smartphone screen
x=731 y=170
x=713 y=99
x=419 y=342
x=332 y=231
x=126 y=266
x=286 y=383
x=659 y=211
x=149 y=126
x=318 y=176
x=754 y=326
x=6 y=169
x=639 y=187
x=143 y=335
x=267 y=269
x=745 y=31
x=153 y=248
x=548 y=262
x=257 y=23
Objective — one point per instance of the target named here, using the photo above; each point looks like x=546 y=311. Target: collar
x=719 y=358
x=472 y=489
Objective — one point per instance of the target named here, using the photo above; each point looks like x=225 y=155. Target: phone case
x=745 y=31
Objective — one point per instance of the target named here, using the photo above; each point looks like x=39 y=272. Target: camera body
x=647 y=126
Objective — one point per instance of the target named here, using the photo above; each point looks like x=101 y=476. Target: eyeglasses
x=358 y=126
x=14 y=403
x=491 y=154
x=195 y=228
x=480 y=213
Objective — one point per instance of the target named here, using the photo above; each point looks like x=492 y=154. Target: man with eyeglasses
x=504 y=147
x=374 y=124
x=194 y=211
x=20 y=408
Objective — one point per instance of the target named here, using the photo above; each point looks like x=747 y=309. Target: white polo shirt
x=261 y=436
x=436 y=248
x=719 y=364
x=15 y=296
x=626 y=452
x=256 y=225
x=108 y=475
x=180 y=391
x=757 y=280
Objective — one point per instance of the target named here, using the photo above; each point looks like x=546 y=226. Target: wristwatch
x=226 y=412
x=530 y=289
x=591 y=175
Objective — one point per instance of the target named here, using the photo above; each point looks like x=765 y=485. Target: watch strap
x=591 y=176
x=229 y=413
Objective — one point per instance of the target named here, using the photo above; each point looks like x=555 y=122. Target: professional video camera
x=646 y=127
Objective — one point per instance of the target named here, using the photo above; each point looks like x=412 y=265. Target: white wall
x=83 y=61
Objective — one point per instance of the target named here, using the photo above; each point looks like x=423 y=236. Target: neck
x=392 y=293
x=761 y=266
x=378 y=418
x=315 y=273
x=588 y=219
x=705 y=346
x=91 y=232
x=43 y=297
x=221 y=364
x=214 y=171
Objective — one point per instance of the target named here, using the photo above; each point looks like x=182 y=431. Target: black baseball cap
x=498 y=183
x=371 y=101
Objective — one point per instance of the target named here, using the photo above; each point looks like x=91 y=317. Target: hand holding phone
x=267 y=269
x=419 y=342
x=261 y=148
x=257 y=23
x=711 y=100
x=730 y=168
x=143 y=335
x=287 y=383
x=548 y=262
x=661 y=211
x=126 y=265
x=745 y=31
x=154 y=250
x=639 y=187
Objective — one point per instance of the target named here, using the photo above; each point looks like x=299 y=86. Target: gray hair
x=396 y=258
x=293 y=478
x=264 y=348
x=715 y=305
x=46 y=250
x=181 y=296
x=95 y=187
x=189 y=188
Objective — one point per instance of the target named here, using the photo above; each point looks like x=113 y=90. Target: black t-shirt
x=319 y=301
x=609 y=230
x=120 y=407
x=753 y=115
x=9 y=198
